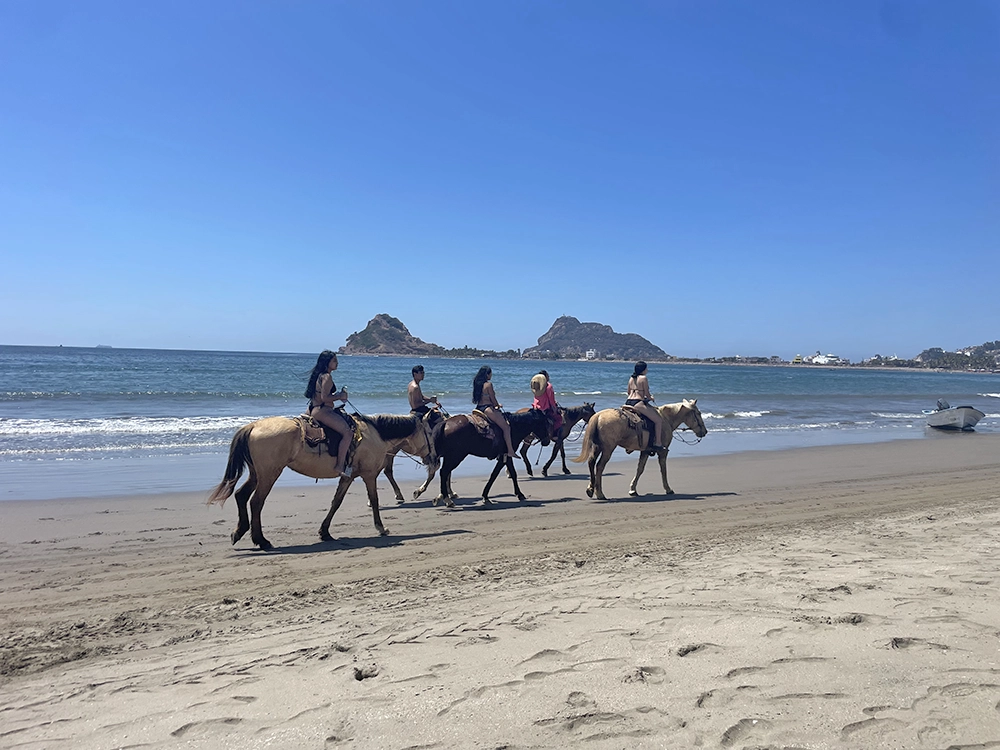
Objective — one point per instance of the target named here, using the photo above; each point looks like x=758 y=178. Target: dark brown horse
x=458 y=437
x=267 y=446
x=571 y=415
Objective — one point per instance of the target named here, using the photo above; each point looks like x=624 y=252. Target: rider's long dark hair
x=322 y=363
x=640 y=368
x=479 y=381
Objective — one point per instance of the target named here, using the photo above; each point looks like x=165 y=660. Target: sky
x=723 y=178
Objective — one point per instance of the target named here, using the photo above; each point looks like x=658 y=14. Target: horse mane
x=390 y=426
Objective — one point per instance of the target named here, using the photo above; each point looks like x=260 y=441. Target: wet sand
x=824 y=597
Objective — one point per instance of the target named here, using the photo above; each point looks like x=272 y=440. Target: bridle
x=683 y=426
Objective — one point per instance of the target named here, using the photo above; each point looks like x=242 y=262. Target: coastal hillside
x=569 y=338
x=385 y=334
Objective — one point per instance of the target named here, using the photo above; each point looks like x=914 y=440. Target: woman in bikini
x=322 y=395
x=485 y=400
x=640 y=399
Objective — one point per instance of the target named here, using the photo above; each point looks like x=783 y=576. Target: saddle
x=317 y=435
x=487 y=430
x=639 y=424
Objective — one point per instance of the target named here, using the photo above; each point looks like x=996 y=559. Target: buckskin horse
x=457 y=437
x=610 y=428
x=267 y=446
x=571 y=415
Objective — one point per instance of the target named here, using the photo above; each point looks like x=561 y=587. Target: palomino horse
x=268 y=445
x=610 y=428
x=457 y=437
x=571 y=415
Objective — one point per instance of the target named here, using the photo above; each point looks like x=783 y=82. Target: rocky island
x=385 y=334
x=568 y=338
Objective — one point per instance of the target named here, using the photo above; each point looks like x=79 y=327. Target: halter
x=682 y=426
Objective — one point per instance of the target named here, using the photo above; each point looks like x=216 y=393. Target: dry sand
x=831 y=597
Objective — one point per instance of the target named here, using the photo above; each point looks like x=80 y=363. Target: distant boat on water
x=102 y=346
x=948 y=417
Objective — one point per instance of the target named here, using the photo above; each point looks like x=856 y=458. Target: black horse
x=457 y=438
x=571 y=415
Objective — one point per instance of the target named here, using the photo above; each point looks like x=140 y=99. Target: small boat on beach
x=948 y=417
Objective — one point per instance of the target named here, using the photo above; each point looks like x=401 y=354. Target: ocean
x=78 y=422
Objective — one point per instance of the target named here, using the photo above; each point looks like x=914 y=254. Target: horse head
x=692 y=417
x=588 y=411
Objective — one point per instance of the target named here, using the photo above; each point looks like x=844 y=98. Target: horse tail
x=239 y=457
x=437 y=436
x=590 y=438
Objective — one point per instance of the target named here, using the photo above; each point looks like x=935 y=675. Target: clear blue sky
x=719 y=177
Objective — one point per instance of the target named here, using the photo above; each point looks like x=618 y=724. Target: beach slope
x=825 y=597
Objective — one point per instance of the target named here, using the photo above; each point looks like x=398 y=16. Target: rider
x=418 y=402
x=545 y=400
x=322 y=398
x=640 y=399
x=485 y=399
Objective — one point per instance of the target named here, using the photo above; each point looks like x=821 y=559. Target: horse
x=610 y=428
x=457 y=437
x=571 y=415
x=269 y=445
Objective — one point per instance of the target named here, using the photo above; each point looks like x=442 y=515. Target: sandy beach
x=824 y=597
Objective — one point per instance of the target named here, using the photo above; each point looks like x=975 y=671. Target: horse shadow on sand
x=339 y=544
x=654 y=497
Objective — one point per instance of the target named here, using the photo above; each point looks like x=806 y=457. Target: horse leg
x=242 y=496
x=264 y=485
x=643 y=457
x=431 y=471
x=338 y=498
x=372 y=486
x=599 y=475
x=513 y=478
x=592 y=466
x=663 y=472
x=493 y=477
x=446 y=496
x=392 y=480
x=524 y=454
x=555 y=450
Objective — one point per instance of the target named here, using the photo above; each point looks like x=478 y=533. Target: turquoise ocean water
x=93 y=422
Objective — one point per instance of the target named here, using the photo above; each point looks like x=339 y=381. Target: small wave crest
x=990 y=395
x=735 y=414
x=119 y=426
x=895 y=415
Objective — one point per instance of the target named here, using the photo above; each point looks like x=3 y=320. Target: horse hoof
x=590 y=492
x=325 y=536
x=450 y=503
x=383 y=532
x=567 y=471
x=544 y=473
x=265 y=545
x=633 y=493
x=436 y=500
x=521 y=498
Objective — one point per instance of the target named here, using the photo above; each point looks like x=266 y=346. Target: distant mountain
x=982 y=357
x=569 y=338
x=385 y=334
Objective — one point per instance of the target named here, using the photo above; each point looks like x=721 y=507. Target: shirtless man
x=418 y=402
